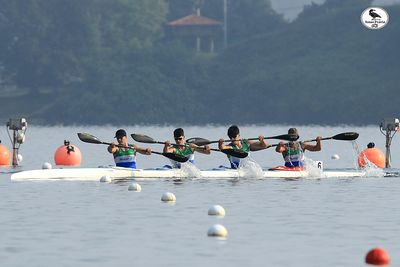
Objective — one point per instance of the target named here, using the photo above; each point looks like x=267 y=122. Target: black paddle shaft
x=202 y=141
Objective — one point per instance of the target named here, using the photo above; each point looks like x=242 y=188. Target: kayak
x=117 y=173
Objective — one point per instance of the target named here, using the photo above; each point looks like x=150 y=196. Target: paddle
x=233 y=152
x=147 y=139
x=349 y=136
x=88 y=138
x=202 y=141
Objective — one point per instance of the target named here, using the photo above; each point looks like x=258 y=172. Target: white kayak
x=116 y=173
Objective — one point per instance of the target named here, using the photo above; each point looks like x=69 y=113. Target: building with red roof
x=201 y=32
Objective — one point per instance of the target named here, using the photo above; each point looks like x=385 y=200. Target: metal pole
x=14 y=160
x=225 y=23
x=388 y=141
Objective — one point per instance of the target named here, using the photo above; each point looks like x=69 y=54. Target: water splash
x=312 y=168
x=356 y=152
x=249 y=168
x=190 y=170
x=371 y=170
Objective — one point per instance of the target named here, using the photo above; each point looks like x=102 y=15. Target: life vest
x=126 y=158
x=235 y=162
x=294 y=157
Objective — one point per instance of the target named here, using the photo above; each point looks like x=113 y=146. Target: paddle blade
x=88 y=138
x=198 y=141
x=143 y=138
x=235 y=153
x=346 y=136
x=176 y=157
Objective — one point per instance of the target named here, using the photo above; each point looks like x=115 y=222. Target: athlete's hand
x=147 y=151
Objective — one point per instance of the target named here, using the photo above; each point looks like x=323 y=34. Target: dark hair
x=233 y=131
x=119 y=133
x=179 y=132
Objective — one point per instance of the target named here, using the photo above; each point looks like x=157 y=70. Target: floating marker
x=135 y=187
x=5 y=155
x=377 y=256
x=374 y=155
x=46 y=166
x=216 y=210
x=168 y=197
x=68 y=155
x=105 y=179
x=335 y=156
x=217 y=230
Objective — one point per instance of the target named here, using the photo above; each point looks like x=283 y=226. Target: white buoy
x=135 y=187
x=216 y=210
x=20 y=158
x=335 y=156
x=168 y=197
x=46 y=166
x=105 y=179
x=217 y=230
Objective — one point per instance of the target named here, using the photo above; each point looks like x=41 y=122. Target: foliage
x=97 y=62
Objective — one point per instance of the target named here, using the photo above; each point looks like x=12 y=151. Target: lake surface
x=271 y=222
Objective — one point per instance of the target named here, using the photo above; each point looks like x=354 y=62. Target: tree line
x=112 y=62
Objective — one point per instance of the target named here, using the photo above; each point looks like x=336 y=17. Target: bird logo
x=373 y=14
x=374 y=18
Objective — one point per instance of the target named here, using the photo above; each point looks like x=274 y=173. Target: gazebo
x=197 y=30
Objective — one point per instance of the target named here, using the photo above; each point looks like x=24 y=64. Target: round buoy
x=377 y=256
x=47 y=166
x=216 y=210
x=217 y=230
x=168 y=197
x=135 y=187
x=68 y=155
x=374 y=155
x=335 y=157
x=105 y=179
x=5 y=155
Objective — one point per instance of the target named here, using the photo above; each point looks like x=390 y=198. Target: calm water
x=271 y=222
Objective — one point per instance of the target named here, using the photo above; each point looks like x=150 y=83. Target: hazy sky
x=291 y=8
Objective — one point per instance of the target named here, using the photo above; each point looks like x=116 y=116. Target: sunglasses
x=178 y=138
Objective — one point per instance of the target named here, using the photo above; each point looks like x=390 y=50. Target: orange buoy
x=377 y=256
x=68 y=155
x=373 y=154
x=5 y=155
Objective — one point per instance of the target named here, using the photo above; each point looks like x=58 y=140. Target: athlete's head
x=120 y=133
x=293 y=131
x=179 y=133
x=233 y=131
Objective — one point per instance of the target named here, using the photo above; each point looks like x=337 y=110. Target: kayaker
x=293 y=152
x=125 y=157
x=186 y=150
x=240 y=144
